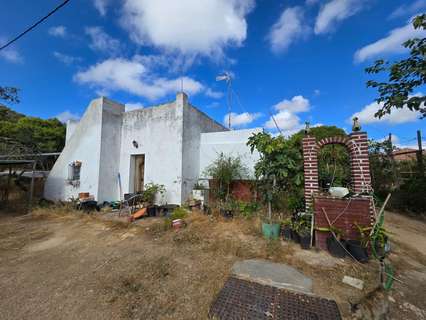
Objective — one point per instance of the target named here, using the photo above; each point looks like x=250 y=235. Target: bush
x=178 y=213
x=247 y=209
x=223 y=171
x=410 y=197
x=151 y=190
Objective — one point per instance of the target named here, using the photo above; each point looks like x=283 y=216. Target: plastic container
x=336 y=248
x=271 y=230
x=357 y=250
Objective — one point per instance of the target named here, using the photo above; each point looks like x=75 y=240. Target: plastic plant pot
x=295 y=236
x=336 y=248
x=357 y=250
x=286 y=232
x=305 y=241
x=271 y=230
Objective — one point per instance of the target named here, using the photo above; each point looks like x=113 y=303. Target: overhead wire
x=34 y=25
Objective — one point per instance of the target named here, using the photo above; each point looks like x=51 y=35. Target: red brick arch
x=357 y=145
x=335 y=140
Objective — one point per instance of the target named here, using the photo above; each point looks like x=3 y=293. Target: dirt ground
x=56 y=264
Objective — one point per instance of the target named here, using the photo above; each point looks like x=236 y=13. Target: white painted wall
x=71 y=125
x=178 y=142
x=195 y=122
x=84 y=145
x=109 y=164
x=158 y=132
x=231 y=143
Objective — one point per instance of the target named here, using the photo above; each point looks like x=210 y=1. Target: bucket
x=271 y=230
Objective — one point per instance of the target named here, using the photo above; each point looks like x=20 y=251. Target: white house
x=110 y=152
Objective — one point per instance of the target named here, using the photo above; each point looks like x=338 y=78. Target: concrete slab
x=274 y=274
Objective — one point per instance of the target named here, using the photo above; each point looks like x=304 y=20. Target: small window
x=74 y=171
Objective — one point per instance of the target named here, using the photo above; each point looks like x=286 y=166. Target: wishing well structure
x=329 y=211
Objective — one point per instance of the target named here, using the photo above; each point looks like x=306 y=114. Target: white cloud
x=394 y=139
x=66 y=59
x=390 y=44
x=289 y=28
x=241 y=119
x=133 y=106
x=67 y=115
x=397 y=116
x=213 y=94
x=295 y=105
x=134 y=77
x=335 y=11
x=10 y=54
x=287 y=121
x=101 y=6
x=286 y=118
x=317 y=92
x=101 y=41
x=406 y=10
x=188 y=27
x=58 y=31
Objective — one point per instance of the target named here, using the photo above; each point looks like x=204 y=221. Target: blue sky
x=298 y=60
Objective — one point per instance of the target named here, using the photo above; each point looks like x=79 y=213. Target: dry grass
x=145 y=271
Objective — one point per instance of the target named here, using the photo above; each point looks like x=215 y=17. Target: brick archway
x=335 y=140
x=357 y=145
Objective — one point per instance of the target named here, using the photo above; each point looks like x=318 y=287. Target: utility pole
x=420 y=153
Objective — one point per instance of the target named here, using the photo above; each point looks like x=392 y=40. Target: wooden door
x=139 y=172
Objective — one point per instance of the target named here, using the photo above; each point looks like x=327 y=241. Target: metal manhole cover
x=242 y=299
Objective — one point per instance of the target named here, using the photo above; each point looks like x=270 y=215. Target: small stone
x=391 y=299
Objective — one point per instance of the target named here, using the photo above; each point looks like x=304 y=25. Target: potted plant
x=227 y=209
x=303 y=230
x=358 y=248
x=271 y=228
x=286 y=228
x=335 y=244
x=376 y=239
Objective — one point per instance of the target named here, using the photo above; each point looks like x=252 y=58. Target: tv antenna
x=226 y=76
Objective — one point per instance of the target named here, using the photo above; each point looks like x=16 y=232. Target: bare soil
x=57 y=264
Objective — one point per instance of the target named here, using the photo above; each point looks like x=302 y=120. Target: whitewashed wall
x=84 y=145
x=231 y=143
x=158 y=133
x=194 y=124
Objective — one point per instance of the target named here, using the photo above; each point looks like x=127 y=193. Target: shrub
x=224 y=170
x=151 y=190
x=178 y=213
x=410 y=196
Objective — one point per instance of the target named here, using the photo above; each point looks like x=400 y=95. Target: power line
x=34 y=25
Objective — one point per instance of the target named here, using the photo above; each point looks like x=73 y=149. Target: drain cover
x=242 y=299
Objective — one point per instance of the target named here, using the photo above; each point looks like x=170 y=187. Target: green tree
x=21 y=134
x=279 y=171
x=404 y=77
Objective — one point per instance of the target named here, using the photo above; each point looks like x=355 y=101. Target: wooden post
x=392 y=159
x=420 y=154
